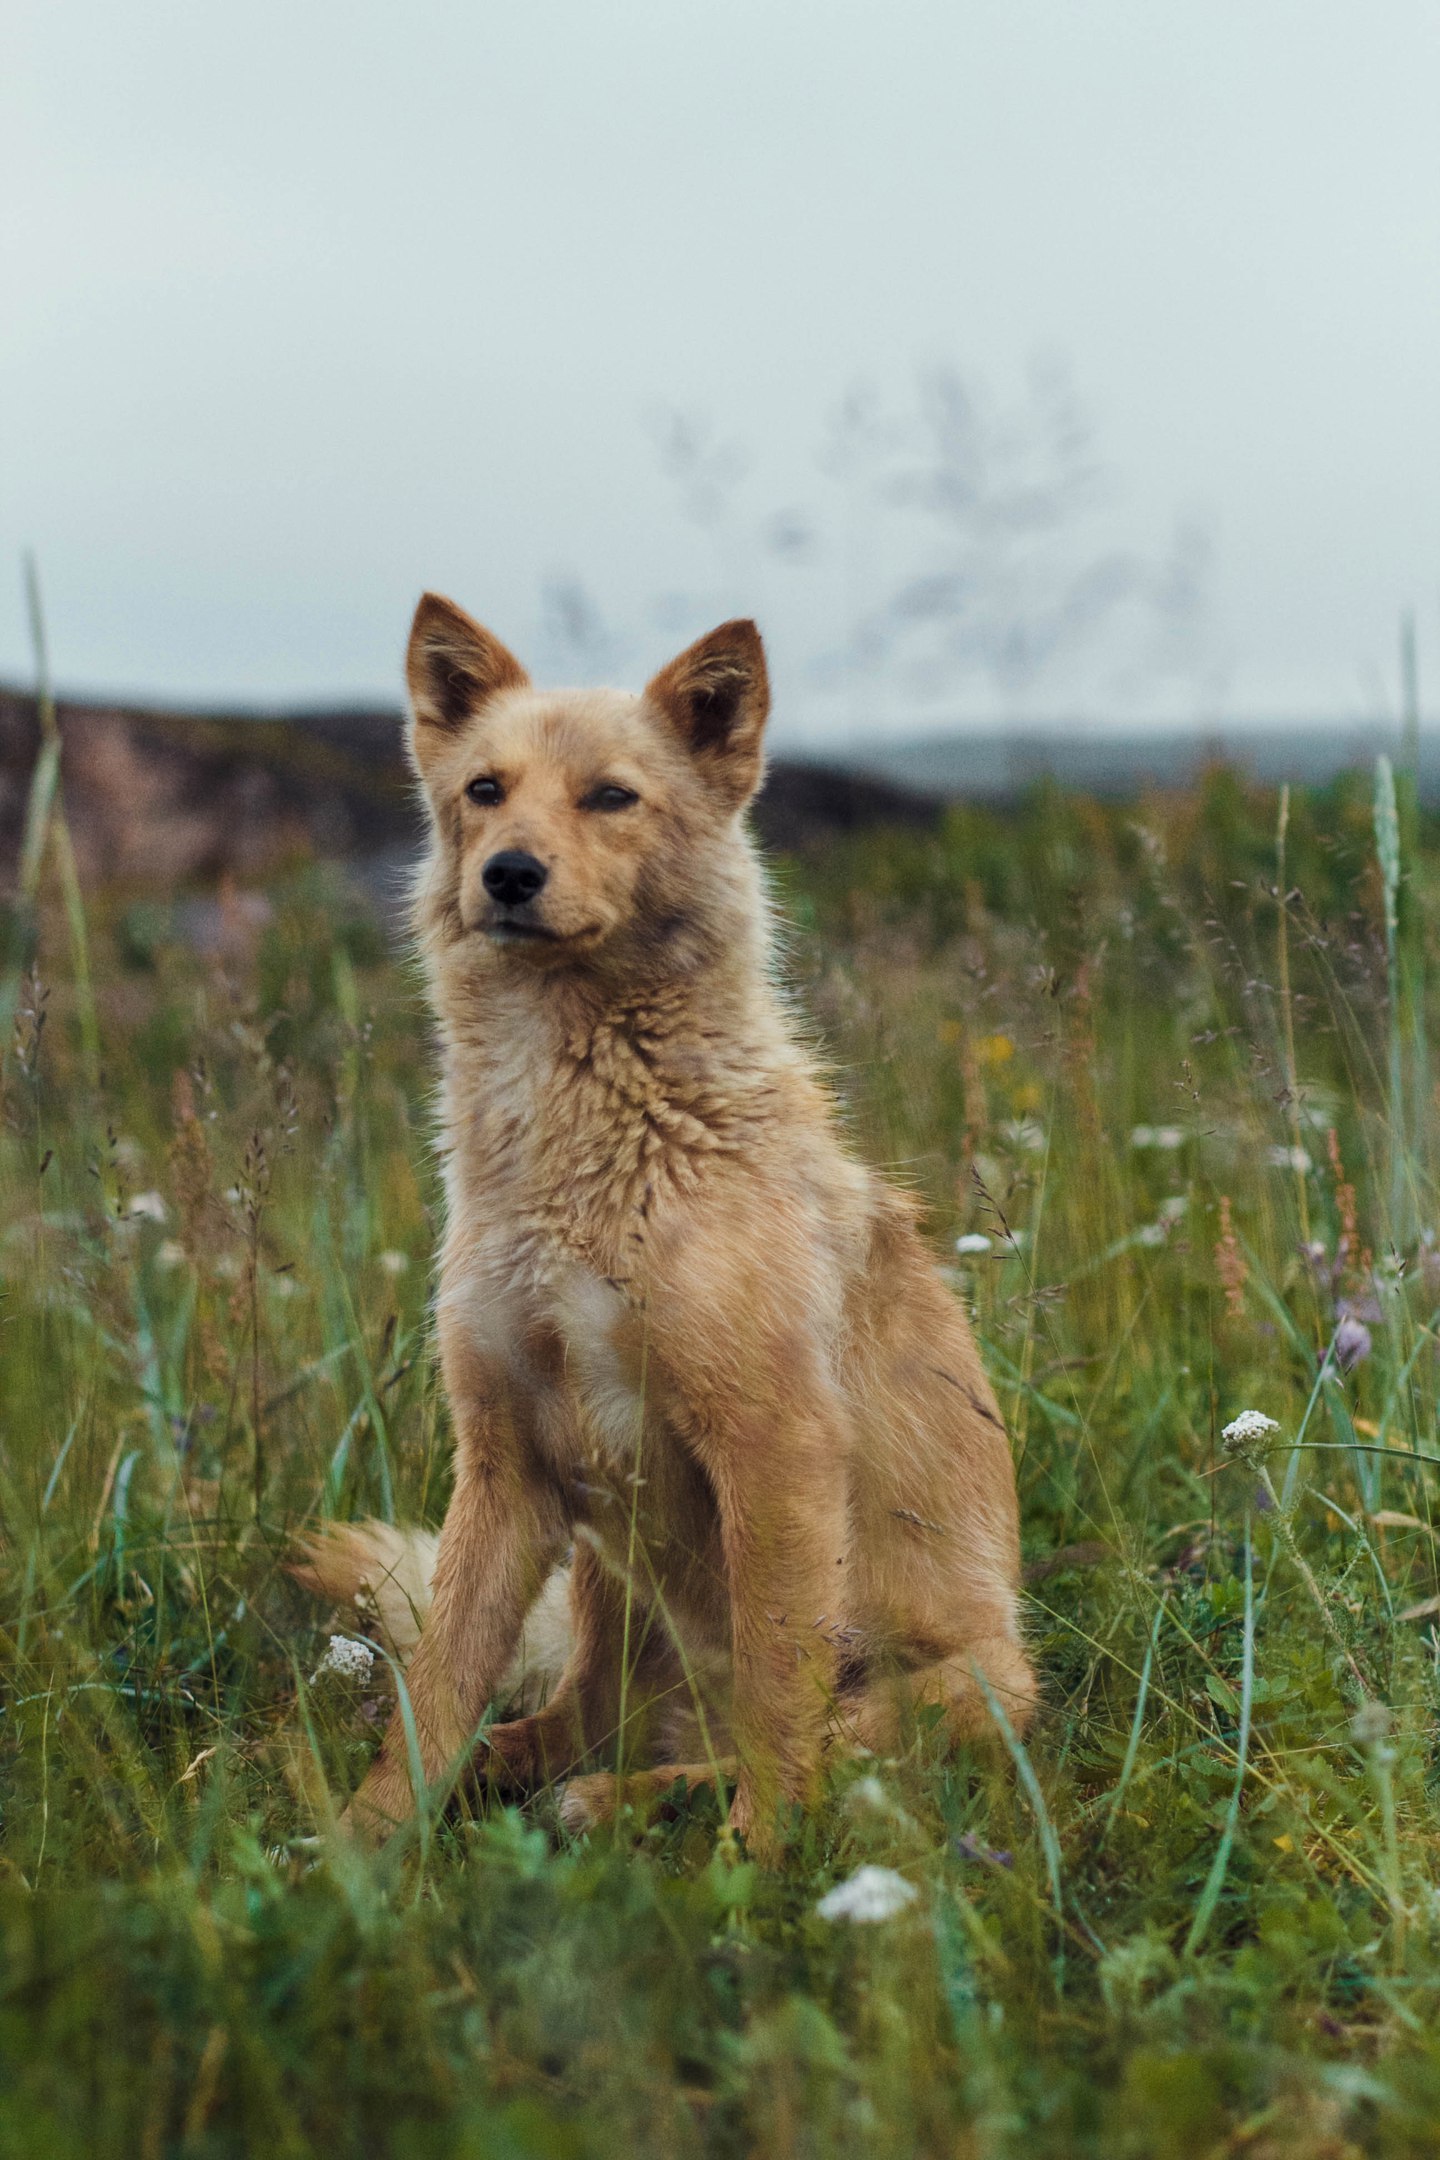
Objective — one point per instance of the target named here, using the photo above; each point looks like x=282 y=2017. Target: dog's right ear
x=453 y=665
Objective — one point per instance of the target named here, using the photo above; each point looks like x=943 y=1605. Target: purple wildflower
x=1352 y=1342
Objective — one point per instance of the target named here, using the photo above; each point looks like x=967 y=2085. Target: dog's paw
x=586 y=1802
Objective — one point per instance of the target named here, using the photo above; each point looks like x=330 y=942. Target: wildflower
x=1352 y=1344
x=995 y=1049
x=1370 y=1725
x=1173 y=1206
x=1244 y=1431
x=974 y=1241
x=392 y=1263
x=1288 y=1158
x=347 y=1658
x=147 y=1207
x=969 y=1847
x=1025 y=1133
x=867 y=1796
x=1164 y=1137
x=1230 y=1263
x=171 y=1254
x=1349 y=1244
x=1151 y=1233
x=871 y=1893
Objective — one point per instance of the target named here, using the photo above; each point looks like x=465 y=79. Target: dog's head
x=574 y=825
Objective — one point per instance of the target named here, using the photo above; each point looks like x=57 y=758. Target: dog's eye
x=610 y=797
x=485 y=792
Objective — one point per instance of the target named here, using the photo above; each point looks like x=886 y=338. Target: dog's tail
x=387 y=1572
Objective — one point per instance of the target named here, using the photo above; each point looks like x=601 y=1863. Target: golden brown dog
x=681 y=1328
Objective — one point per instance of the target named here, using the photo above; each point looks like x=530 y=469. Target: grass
x=1198 y=1911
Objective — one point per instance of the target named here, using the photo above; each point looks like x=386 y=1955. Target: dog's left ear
x=716 y=696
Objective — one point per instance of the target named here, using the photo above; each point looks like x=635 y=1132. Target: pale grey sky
x=307 y=306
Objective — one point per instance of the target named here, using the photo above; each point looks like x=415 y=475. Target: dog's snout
x=512 y=877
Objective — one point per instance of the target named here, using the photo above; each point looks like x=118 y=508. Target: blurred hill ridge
x=164 y=797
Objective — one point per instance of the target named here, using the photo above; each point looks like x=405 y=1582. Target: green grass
x=1198 y=1912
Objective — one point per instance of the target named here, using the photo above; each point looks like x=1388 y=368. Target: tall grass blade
x=1137 y=1723
x=45 y=822
x=1049 y=1842
x=1387 y=850
x=1219 y=1867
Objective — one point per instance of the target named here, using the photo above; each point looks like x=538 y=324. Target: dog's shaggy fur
x=681 y=1328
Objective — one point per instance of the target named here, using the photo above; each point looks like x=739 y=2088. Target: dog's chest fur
x=568 y=1146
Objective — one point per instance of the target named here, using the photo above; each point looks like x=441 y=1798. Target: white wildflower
x=1025 y=1133
x=1288 y=1158
x=1173 y=1206
x=347 y=1658
x=867 y=1796
x=1150 y=1233
x=1250 y=1425
x=1370 y=1726
x=1164 y=1137
x=974 y=1241
x=171 y=1254
x=871 y=1893
x=392 y=1263
x=147 y=1207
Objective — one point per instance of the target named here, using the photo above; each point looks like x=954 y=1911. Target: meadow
x=1159 y=1073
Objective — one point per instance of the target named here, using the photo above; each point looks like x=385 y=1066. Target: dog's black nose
x=512 y=877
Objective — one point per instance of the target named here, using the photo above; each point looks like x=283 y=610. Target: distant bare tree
x=975 y=546
x=1008 y=571
x=577 y=644
x=708 y=473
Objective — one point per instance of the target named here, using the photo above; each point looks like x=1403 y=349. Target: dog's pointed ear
x=716 y=697
x=453 y=665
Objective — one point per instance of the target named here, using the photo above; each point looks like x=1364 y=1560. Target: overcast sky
x=307 y=306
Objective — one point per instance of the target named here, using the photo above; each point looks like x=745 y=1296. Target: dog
x=684 y=1334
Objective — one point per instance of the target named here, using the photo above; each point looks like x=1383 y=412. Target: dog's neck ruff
x=578 y=1110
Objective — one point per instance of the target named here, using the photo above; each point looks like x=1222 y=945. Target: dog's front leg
x=503 y=1532
x=780 y=1484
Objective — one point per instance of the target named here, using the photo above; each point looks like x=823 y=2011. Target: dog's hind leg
x=589 y=1802
x=887 y=1709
